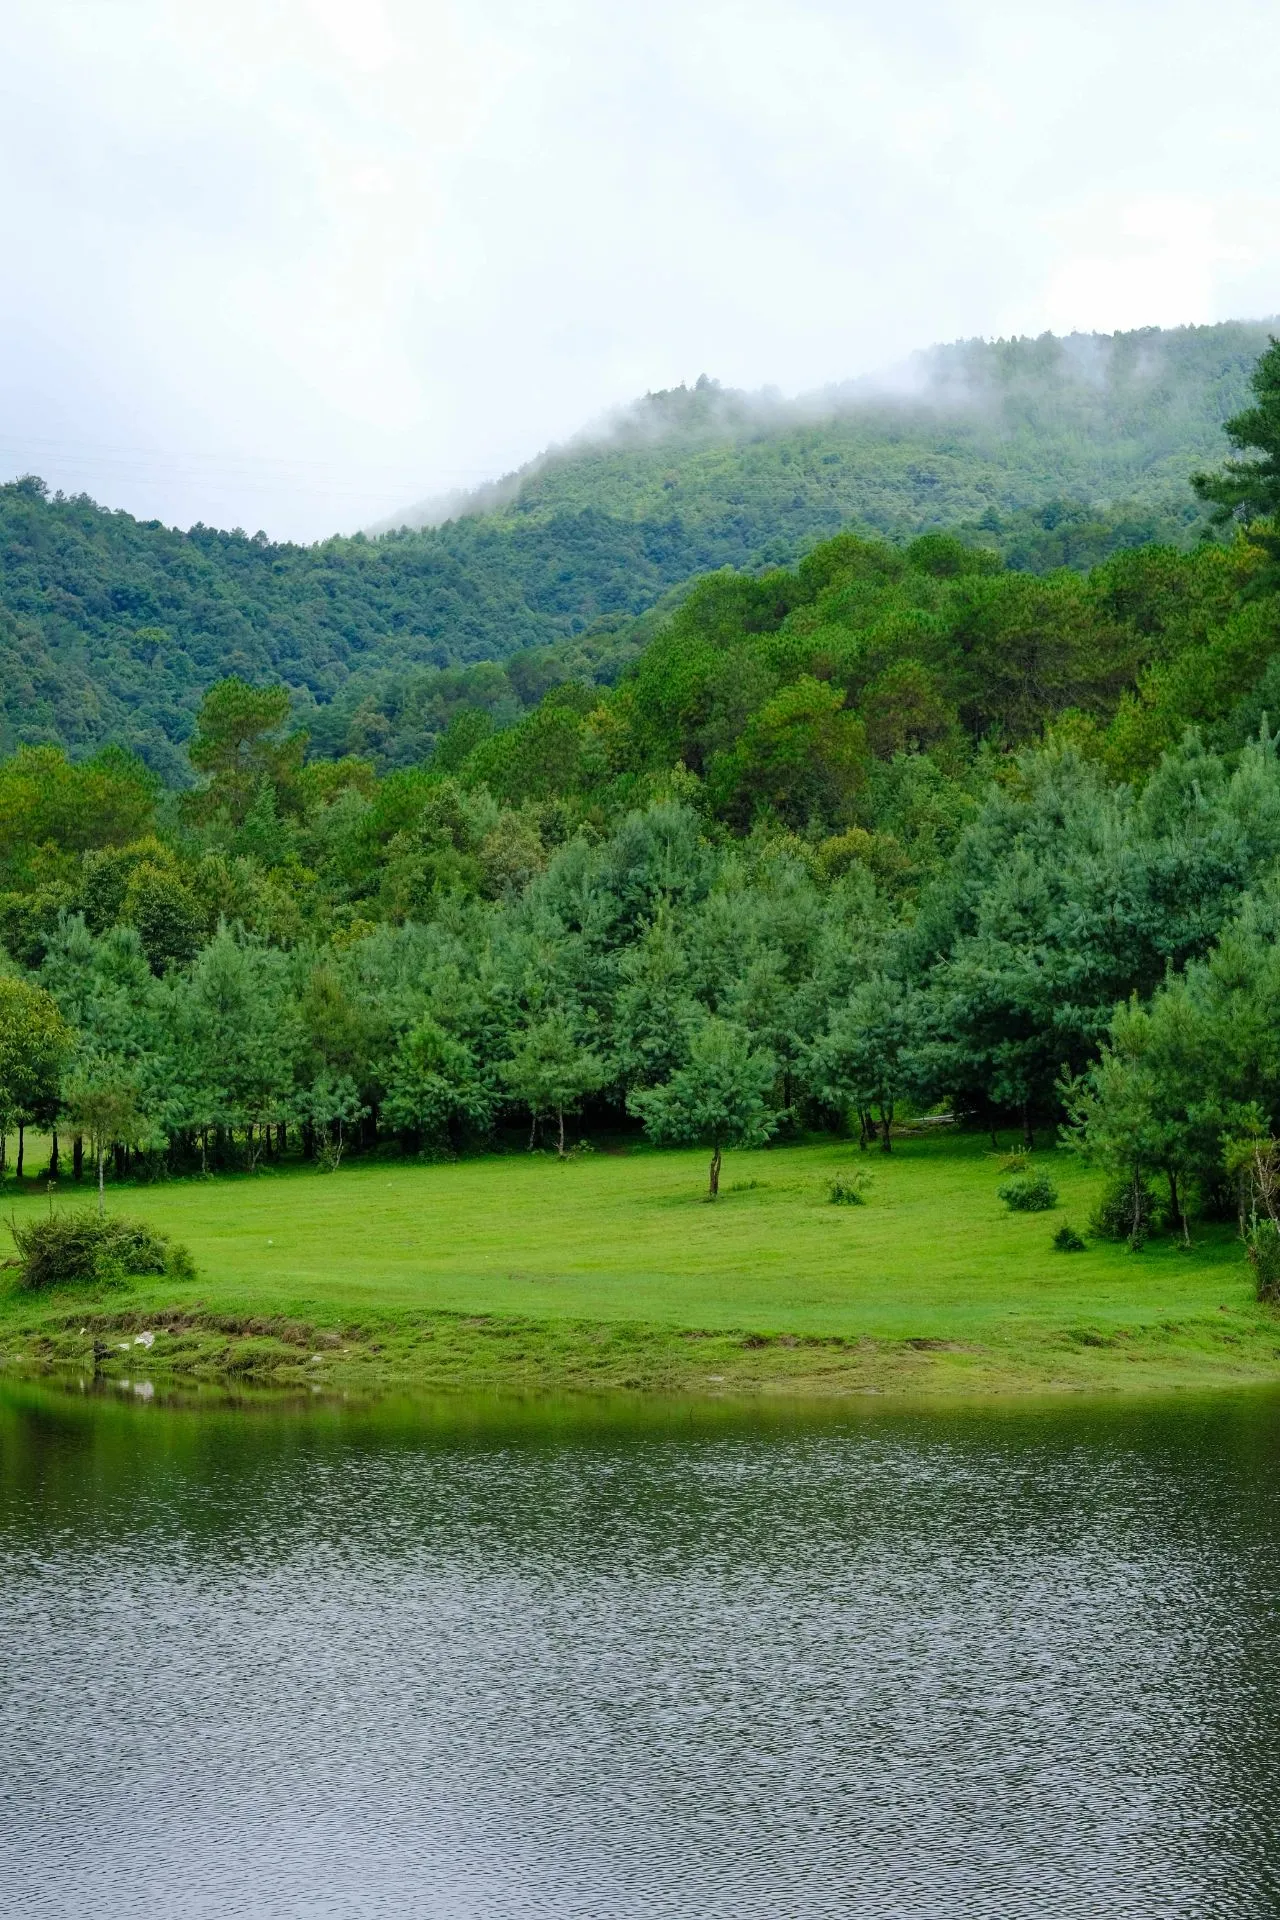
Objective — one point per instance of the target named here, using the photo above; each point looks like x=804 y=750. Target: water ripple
x=909 y=1666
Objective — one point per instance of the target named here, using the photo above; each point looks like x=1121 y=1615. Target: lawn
x=600 y=1270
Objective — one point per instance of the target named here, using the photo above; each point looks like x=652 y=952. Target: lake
x=639 y=1659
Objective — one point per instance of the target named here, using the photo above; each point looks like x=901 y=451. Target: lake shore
x=612 y=1273
x=437 y=1352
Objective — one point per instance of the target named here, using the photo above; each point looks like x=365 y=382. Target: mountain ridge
x=1054 y=453
x=937 y=387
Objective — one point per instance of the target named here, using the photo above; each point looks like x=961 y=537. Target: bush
x=65 y=1249
x=1067 y=1240
x=1019 y=1162
x=848 y=1189
x=1264 y=1257
x=1032 y=1193
x=1125 y=1212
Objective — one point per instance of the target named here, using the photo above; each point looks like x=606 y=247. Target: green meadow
x=612 y=1269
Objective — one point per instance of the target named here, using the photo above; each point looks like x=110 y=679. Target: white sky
x=296 y=263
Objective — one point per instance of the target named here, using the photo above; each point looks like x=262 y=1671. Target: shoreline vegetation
x=612 y=1272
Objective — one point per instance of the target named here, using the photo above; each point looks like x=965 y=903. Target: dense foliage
x=895 y=828
x=112 y=630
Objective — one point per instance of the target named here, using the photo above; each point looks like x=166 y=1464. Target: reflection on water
x=472 y=1661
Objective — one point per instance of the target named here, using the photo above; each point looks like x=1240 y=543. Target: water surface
x=612 y=1661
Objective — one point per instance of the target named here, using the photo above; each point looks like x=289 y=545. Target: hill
x=1053 y=452
x=974 y=433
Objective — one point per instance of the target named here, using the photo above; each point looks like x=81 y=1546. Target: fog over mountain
x=295 y=266
x=1165 y=389
x=1052 y=452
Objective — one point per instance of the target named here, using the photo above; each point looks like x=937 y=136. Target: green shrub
x=1264 y=1257
x=1124 y=1212
x=1067 y=1240
x=1019 y=1162
x=1032 y=1193
x=66 y=1249
x=849 y=1189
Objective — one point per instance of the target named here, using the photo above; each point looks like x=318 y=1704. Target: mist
x=1081 y=383
x=293 y=267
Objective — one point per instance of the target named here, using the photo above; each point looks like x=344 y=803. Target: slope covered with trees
x=1050 y=453
x=896 y=825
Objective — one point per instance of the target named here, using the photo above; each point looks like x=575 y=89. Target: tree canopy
x=897 y=827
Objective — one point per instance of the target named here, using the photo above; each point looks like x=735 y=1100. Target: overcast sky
x=296 y=263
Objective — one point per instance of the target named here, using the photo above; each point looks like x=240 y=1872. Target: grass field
x=613 y=1270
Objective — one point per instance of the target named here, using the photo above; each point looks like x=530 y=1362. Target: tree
x=550 y=1072
x=864 y=1058
x=1249 y=490
x=718 y=1100
x=436 y=1089
x=802 y=755
x=49 y=802
x=107 y=1110
x=653 y=1007
x=1148 y=1106
x=236 y=742
x=906 y=711
x=34 y=1042
x=160 y=905
x=331 y=1104
x=244 y=1038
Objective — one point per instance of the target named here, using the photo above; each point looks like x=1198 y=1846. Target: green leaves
x=550 y=1071
x=436 y=1089
x=237 y=744
x=719 y=1100
x=34 y=1044
x=1250 y=489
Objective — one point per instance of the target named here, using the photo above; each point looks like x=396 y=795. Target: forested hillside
x=896 y=824
x=1051 y=453
x=975 y=433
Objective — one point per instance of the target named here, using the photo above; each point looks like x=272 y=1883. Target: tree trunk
x=21 y=1148
x=863 y=1130
x=53 y=1155
x=1177 y=1212
x=715 y=1172
x=533 y=1131
x=886 y=1121
x=77 y=1156
x=560 y=1118
x=102 y=1162
x=282 y=1138
x=1135 y=1208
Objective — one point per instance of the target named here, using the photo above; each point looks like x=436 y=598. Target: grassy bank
x=611 y=1270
